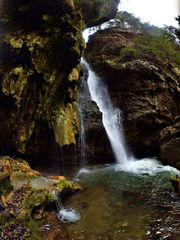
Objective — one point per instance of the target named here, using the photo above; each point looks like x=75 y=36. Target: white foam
x=84 y=170
x=68 y=215
x=146 y=166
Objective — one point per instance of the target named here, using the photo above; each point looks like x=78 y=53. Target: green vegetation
x=133 y=23
x=160 y=47
x=25 y=193
x=129 y=21
x=177 y=31
x=172 y=32
x=128 y=54
x=150 y=42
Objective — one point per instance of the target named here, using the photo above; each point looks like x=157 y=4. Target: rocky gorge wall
x=40 y=50
x=143 y=79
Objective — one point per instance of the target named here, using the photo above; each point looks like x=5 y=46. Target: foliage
x=128 y=20
x=177 y=31
x=172 y=32
x=152 y=42
x=160 y=46
x=128 y=54
x=151 y=29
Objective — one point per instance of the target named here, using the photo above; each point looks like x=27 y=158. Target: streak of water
x=81 y=115
x=66 y=215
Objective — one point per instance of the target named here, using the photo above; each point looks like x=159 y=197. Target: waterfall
x=66 y=215
x=81 y=109
x=111 y=116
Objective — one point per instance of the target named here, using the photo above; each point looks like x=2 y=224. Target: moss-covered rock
x=97 y=11
x=40 y=53
x=66 y=125
x=40 y=49
x=25 y=193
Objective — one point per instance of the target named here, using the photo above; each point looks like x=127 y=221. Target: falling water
x=65 y=214
x=111 y=116
x=81 y=115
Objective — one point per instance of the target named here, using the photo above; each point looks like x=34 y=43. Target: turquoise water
x=123 y=204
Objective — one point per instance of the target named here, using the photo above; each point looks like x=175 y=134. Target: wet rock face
x=143 y=86
x=40 y=50
x=41 y=46
x=94 y=144
x=170 y=144
x=97 y=11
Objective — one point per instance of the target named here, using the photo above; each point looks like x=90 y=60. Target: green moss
x=5 y=184
x=39 y=75
x=71 y=3
x=25 y=194
x=14 y=82
x=128 y=54
x=15 y=41
x=66 y=125
x=67 y=186
x=176 y=184
x=74 y=75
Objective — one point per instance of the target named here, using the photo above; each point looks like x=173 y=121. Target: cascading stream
x=82 y=127
x=111 y=116
x=65 y=214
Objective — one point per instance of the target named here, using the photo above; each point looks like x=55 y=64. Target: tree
x=177 y=31
x=172 y=32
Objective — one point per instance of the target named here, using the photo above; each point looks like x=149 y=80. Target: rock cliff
x=142 y=73
x=40 y=50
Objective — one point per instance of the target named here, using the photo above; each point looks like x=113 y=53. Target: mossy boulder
x=25 y=193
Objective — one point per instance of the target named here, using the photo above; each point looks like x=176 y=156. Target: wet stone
x=46 y=227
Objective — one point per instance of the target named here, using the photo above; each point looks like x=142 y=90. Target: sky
x=157 y=12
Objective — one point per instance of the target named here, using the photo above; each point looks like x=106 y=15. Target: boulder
x=25 y=193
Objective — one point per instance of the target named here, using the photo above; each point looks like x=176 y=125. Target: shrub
x=128 y=54
x=160 y=46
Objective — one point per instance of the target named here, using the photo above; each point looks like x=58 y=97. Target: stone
x=25 y=193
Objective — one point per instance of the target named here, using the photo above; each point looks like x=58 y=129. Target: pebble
x=46 y=227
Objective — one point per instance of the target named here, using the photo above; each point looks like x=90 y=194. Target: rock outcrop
x=40 y=49
x=24 y=195
x=98 y=11
x=143 y=79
